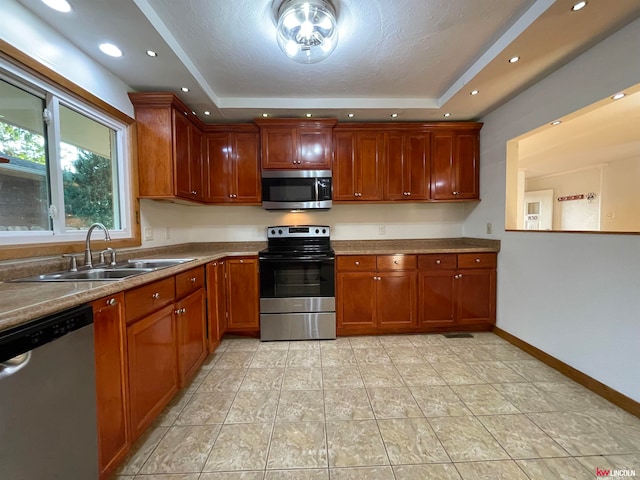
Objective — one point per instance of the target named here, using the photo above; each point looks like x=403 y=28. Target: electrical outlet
x=381 y=230
x=167 y=233
x=489 y=228
x=148 y=233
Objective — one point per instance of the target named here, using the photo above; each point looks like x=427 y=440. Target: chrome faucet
x=88 y=263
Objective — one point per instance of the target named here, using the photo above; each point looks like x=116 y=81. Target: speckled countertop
x=21 y=302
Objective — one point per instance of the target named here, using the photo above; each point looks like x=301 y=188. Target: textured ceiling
x=418 y=58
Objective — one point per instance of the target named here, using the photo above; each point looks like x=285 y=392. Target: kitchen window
x=63 y=165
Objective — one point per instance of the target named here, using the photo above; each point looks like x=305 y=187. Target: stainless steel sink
x=111 y=272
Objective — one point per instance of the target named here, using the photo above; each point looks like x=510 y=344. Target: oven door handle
x=305 y=258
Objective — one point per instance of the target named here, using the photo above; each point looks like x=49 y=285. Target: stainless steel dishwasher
x=48 y=400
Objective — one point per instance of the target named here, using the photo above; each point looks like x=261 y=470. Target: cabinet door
x=356 y=301
x=216 y=303
x=111 y=381
x=396 y=300
x=246 y=168
x=437 y=298
x=153 y=372
x=279 y=147
x=344 y=166
x=476 y=296
x=192 y=334
x=181 y=141
x=395 y=187
x=196 y=171
x=466 y=165
x=243 y=297
x=219 y=167
x=314 y=148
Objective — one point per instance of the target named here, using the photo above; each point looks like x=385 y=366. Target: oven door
x=295 y=277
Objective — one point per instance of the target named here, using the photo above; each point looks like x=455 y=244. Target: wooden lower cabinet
x=216 y=303
x=111 y=382
x=153 y=372
x=376 y=300
x=243 y=294
x=191 y=334
x=457 y=291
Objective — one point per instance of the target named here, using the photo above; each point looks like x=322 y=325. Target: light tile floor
x=392 y=407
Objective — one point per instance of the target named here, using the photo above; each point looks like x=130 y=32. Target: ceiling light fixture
x=207 y=112
x=151 y=53
x=265 y=115
x=618 y=96
x=59 y=5
x=110 y=49
x=557 y=122
x=514 y=59
x=394 y=115
x=184 y=89
x=351 y=115
x=578 y=6
x=447 y=114
x=474 y=92
x=307 y=31
x=308 y=115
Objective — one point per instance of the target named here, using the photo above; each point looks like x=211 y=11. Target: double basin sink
x=108 y=272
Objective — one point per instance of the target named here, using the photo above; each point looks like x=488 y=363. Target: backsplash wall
x=347 y=222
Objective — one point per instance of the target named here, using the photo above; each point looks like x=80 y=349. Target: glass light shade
x=307 y=30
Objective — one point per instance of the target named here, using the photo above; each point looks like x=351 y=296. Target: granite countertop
x=21 y=302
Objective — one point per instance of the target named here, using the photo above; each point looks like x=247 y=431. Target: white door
x=538 y=210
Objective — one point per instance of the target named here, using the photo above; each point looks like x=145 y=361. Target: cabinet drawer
x=477 y=260
x=397 y=262
x=355 y=263
x=189 y=281
x=146 y=299
x=437 y=261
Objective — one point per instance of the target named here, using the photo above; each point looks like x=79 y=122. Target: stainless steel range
x=297 y=285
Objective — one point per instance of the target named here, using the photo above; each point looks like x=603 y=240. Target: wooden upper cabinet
x=293 y=143
x=407 y=165
x=233 y=167
x=455 y=164
x=357 y=165
x=169 y=148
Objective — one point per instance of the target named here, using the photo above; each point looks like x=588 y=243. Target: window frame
x=44 y=83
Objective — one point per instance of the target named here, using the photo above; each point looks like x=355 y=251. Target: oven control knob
x=324 y=230
x=273 y=232
x=317 y=231
x=280 y=232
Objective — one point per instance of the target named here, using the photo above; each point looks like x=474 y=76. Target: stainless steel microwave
x=296 y=189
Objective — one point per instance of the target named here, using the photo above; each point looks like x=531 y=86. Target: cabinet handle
x=395 y=262
x=456 y=193
x=180 y=311
x=193 y=279
x=241 y=261
x=408 y=194
x=193 y=192
x=155 y=296
x=438 y=262
x=477 y=260
x=111 y=301
x=357 y=263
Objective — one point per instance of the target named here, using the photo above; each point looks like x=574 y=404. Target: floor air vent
x=458 y=335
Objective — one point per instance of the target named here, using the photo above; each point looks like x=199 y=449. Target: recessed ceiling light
x=110 y=49
x=265 y=115
x=193 y=112
x=475 y=92
x=207 y=112
x=59 y=5
x=151 y=53
x=184 y=89
x=308 y=115
x=557 y=122
x=578 y=6
x=447 y=114
x=394 y=115
x=514 y=59
x=618 y=96
x=351 y=115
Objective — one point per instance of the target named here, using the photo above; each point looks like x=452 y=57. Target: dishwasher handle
x=14 y=365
